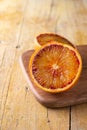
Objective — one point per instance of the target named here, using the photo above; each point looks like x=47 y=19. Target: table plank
x=73 y=21
x=79 y=117
x=11 y=15
x=79 y=14
x=5 y=74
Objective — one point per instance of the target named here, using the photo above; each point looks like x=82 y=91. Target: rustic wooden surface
x=20 y=22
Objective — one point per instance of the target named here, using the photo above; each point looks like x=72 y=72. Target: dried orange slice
x=55 y=67
x=45 y=38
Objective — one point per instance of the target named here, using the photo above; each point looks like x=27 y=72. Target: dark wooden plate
x=75 y=95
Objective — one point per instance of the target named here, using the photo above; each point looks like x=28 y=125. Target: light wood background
x=20 y=22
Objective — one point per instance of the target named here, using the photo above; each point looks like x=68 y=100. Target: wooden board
x=76 y=95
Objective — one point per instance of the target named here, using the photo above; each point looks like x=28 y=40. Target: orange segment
x=55 y=67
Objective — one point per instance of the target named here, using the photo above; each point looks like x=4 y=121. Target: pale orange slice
x=55 y=67
x=45 y=38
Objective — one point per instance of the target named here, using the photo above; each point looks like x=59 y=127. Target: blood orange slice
x=55 y=67
x=45 y=38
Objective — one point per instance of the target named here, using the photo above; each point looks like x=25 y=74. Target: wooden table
x=20 y=22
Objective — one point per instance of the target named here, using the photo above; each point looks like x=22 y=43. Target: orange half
x=55 y=67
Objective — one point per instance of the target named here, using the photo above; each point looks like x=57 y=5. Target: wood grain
x=20 y=22
x=11 y=16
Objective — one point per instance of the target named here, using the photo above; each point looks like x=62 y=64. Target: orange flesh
x=55 y=66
